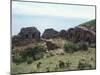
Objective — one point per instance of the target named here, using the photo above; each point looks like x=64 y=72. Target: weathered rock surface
x=79 y=34
x=50 y=33
x=30 y=33
x=63 y=34
x=25 y=36
x=50 y=45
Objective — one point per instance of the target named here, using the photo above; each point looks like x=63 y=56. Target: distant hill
x=91 y=25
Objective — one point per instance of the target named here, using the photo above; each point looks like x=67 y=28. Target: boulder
x=63 y=34
x=30 y=33
x=79 y=34
x=50 y=45
x=50 y=33
x=25 y=36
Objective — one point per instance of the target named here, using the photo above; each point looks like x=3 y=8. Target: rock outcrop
x=63 y=34
x=50 y=45
x=25 y=36
x=79 y=34
x=50 y=33
x=30 y=33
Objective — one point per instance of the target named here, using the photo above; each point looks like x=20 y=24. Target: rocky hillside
x=91 y=25
x=84 y=32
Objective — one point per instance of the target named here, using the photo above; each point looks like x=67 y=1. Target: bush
x=47 y=69
x=38 y=64
x=28 y=55
x=29 y=60
x=17 y=59
x=93 y=45
x=83 y=46
x=61 y=64
x=38 y=56
x=56 y=68
x=92 y=59
x=71 y=47
x=68 y=63
x=84 y=65
x=51 y=54
x=36 y=52
x=61 y=53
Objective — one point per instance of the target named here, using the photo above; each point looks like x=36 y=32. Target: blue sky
x=49 y=15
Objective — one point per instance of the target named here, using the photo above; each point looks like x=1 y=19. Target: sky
x=45 y=15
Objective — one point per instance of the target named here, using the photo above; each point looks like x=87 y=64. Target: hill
x=91 y=25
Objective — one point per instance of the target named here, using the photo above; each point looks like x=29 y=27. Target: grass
x=51 y=63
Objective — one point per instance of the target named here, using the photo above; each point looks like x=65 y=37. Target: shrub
x=51 y=54
x=92 y=59
x=48 y=70
x=68 y=63
x=56 y=68
x=29 y=60
x=38 y=56
x=84 y=65
x=38 y=64
x=61 y=64
x=47 y=55
x=36 y=52
x=83 y=46
x=61 y=53
x=70 y=47
x=28 y=54
x=17 y=59
x=93 y=45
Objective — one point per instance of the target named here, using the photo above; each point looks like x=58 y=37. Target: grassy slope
x=51 y=62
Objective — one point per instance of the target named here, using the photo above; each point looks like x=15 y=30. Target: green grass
x=51 y=63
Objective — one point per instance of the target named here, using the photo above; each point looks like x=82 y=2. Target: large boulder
x=30 y=33
x=79 y=34
x=63 y=34
x=26 y=35
x=51 y=46
x=50 y=33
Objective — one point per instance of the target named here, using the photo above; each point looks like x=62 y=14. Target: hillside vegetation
x=90 y=24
